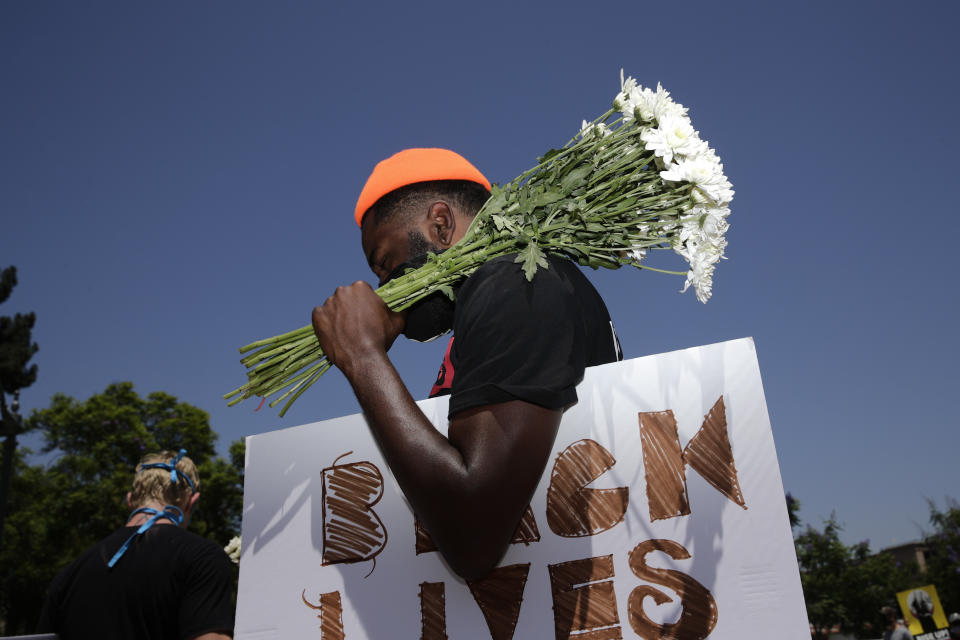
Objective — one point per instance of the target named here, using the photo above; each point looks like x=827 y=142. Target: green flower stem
x=279 y=366
x=277 y=350
x=669 y=273
x=300 y=380
x=268 y=341
x=299 y=393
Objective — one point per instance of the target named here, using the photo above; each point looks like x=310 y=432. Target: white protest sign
x=661 y=514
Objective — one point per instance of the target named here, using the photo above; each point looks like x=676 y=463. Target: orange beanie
x=415 y=165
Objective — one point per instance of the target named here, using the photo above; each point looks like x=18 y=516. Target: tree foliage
x=845 y=585
x=793 y=510
x=60 y=509
x=943 y=554
x=16 y=350
x=16 y=347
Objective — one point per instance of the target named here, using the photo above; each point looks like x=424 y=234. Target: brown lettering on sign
x=424 y=543
x=499 y=596
x=709 y=454
x=433 y=611
x=352 y=531
x=663 y=465
x=526 y=532
x=573 y=510
x=699 y=614
x=331 y=614
x=582 y=604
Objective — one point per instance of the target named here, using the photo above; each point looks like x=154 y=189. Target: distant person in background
x=954 y=621
x=895 y=630
x=148 y=579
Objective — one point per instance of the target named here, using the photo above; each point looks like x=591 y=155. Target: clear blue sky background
x=178 y=179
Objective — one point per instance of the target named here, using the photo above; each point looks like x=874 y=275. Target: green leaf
x=547 y=156
x=447 y=290
x=497 y=200
x=531 y=257
x=575 y=178
x=547 y=197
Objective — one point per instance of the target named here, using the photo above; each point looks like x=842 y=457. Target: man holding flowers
x=519 y=349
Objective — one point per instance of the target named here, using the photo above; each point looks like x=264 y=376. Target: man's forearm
x=418 y=454
x=434 y=474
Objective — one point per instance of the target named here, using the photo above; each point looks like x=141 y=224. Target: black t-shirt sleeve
x=516 y=339
x=207 y=604
x=51 y=605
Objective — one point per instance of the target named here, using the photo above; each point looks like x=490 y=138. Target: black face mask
x=431 y=317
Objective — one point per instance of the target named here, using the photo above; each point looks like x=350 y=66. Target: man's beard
x=433 y=316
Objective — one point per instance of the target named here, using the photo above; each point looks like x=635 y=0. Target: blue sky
x=178 y=179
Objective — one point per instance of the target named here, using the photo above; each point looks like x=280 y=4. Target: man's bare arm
x=469 y=490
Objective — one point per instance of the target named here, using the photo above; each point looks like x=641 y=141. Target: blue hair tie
x=172 y=467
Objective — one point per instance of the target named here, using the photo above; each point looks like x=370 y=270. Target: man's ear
x=442 y=224
x=129 y=506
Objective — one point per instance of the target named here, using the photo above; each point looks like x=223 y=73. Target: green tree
x=943 y=554
x=16 y=350
x=78 y=497
x=29 y=555
x=16 y=347
x=843 y=585
x=793 y=509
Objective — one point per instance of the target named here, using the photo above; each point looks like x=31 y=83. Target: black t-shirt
x=515 y=339
x=170 y=584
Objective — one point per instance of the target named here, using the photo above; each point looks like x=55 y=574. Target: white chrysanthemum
x=701 y=277
x=636 y=102
x=705 y=224
x=599 y=129
x=637 y=255
x=673 y=138
x=663 y=106
x=648 y=105
x=233 y=549
x=714 y=225
x=704 y=171
x=626 y=86
x=702 y=257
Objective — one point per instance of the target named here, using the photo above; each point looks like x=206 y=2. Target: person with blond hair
x=148 y=579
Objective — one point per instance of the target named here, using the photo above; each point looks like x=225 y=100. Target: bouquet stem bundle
x=635 y=180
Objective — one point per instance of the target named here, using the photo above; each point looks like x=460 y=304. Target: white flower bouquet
x=636 y=180
x=233 y=549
